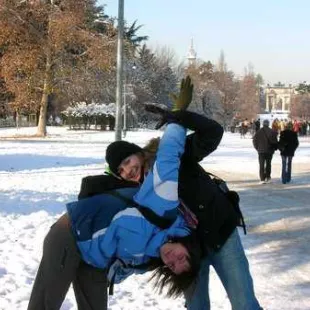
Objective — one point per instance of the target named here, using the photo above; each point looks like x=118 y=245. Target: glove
x=181 y=117
x=180 y=103
x=160 y=109
x=184 y=98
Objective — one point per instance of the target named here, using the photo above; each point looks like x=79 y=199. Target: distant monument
x=278 y=98
x=191 y=55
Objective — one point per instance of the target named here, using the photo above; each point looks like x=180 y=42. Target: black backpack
x=232 y=196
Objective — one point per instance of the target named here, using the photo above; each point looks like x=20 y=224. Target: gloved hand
x=184 y=98
x=162 y=110
x=156 y=108
x=180 y=103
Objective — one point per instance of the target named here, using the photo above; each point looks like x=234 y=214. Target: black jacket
x=288 y=142
x=265 y=140
x=217 y=217
x=98 y=184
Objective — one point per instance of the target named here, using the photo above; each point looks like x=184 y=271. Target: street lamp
x=128 y=90
x=119 y=72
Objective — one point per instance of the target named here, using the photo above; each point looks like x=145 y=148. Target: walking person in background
x=265 y=142
x=252 y=127
x=275 y=125
x=244 y=128
x=257 y=125
x=296 y=126
x=288 y=144
x=282 y=125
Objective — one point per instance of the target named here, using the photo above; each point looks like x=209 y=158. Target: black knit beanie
x=119 y=150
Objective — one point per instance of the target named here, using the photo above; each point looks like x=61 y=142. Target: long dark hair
x=174 y=285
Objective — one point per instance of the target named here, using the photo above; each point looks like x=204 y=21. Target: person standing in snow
x=257 y=125
x=117 y=236
x=288 y=144
x=265 y=142
x=215 y=212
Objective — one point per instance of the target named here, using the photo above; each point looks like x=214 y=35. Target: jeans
x=232 y=267
x=264 y=165
x=286 y=168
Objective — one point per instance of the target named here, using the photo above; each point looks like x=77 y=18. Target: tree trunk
x=17 y=119
x=41 y=130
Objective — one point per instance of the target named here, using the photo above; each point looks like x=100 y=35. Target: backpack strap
x=155 y=219
x=149 y=214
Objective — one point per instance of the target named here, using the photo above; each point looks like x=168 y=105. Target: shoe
x=268 y=180
x=262 y=182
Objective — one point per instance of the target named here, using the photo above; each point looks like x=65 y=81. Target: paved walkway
x=278 y=240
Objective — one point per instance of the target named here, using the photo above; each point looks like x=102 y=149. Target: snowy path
x=278 y=218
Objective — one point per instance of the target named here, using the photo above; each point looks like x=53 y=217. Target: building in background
x=279 y=98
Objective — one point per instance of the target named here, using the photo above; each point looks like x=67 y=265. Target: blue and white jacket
x=107 y=229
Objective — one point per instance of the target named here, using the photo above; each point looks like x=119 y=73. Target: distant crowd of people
x=301 y=127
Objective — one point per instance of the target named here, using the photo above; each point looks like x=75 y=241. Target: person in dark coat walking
x=257 y=125
x=288 y=144
x=217 y=218
x=265 y=142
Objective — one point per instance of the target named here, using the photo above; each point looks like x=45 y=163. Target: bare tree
x=300 y=107
x=228 y=87
x=248 y=100
x=45 y=41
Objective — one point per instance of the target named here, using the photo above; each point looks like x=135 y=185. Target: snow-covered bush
x=82 y=114
x=81 y=109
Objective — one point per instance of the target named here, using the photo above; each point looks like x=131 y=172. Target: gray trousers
x=60 y=266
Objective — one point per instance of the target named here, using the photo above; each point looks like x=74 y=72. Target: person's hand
x=184 y=98
x=156 y=108
x=180 y=103
x=160 y=110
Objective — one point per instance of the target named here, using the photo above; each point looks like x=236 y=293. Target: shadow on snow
x=20 y=162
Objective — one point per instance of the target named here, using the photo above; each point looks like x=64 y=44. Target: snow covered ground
x=38 y=176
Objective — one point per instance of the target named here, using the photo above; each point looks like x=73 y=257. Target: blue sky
x=272 y=35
